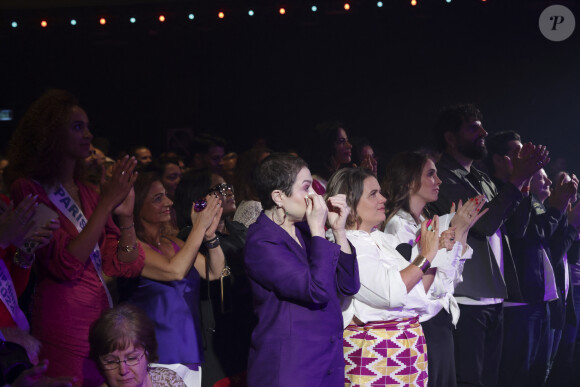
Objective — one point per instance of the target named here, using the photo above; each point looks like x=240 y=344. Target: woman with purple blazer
x=297 y=277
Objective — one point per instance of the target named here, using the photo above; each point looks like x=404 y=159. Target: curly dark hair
x=277 y=171
x=402 y=175
x=37 y=146
x=450 y=120
x=120 y=327
x=348 y=181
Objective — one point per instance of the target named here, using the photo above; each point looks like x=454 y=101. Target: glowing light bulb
x=132 y=20
x=73 y=22
x=103 y=21
x=282 y=11
x=161 y=18
x=314 y=8
x=346 y=6
x=43 y=23
x=221 y=15
x=14 y=24
x=251 y=12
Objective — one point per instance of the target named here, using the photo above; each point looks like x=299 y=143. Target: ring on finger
x=123 y=172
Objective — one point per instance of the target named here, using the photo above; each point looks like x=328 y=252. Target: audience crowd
x=457 y=265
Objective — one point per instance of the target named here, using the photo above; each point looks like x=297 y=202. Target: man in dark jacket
x=490 y=276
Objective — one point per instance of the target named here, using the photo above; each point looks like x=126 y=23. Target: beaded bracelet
x=212 y=243
x=128 y=227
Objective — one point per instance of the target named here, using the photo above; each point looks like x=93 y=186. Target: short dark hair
x=348 y=181
x=277 y=171
x=450 y=120
x=497 y=144
x=120 y=327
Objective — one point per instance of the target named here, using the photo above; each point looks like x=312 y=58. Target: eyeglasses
x=224 y=189
x=132 y=360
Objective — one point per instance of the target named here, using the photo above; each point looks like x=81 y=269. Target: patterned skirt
x=389 y=353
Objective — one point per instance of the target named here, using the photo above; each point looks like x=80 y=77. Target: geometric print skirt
x=385 y=353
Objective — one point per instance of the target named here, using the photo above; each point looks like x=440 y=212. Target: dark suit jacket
x=528 y=249
x=562 y=243
x=481 y=275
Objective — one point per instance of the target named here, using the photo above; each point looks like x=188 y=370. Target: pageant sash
x=9 y=298
x=65 y=203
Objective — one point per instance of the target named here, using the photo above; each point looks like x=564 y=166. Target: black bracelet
x=212 y=243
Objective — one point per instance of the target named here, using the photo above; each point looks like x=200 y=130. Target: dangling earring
x=275 y=214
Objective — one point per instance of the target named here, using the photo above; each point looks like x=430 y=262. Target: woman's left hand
x=338 y=211
x=469 y=213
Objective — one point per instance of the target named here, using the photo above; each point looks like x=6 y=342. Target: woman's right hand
x=429 y=243
x=114 y=191
x=208 y=219
x=316 y=214
x=16 y=222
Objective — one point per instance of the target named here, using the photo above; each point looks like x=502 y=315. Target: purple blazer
x=298 y=338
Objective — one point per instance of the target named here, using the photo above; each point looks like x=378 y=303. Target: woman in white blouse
x=383 y=340
x=410 y=183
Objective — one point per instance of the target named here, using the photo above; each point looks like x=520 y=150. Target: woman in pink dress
x=46 y=151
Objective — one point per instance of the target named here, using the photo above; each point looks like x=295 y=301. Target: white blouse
x=402 y=228
x=383 y=295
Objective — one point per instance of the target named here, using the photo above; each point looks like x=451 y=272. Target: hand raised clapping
x=528 y=161
x=208 y=219
x=114 y=191
x=338 y=211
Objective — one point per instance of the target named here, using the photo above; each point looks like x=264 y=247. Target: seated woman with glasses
x=168 y=288
x=123 y=344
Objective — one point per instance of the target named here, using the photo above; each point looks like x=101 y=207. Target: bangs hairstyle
x=119 y=328
x=348 y=181
x=402 y=177
x=277 y=171
x=142 y=186
x=38 y=143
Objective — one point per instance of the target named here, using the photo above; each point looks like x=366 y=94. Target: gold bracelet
x=422 y=263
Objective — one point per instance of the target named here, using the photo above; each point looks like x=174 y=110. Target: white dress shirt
x=383 y=294
x=402 y=228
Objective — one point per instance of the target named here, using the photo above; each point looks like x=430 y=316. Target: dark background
x=385 y=72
